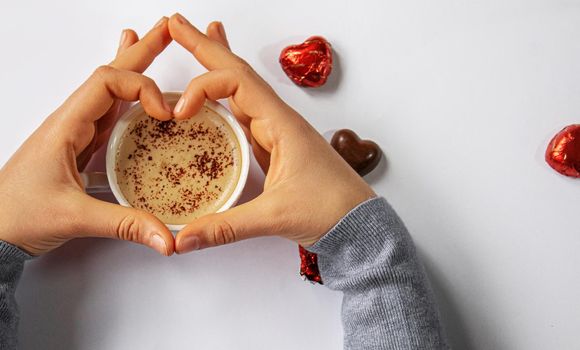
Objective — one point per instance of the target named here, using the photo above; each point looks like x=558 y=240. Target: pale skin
x=308 y=187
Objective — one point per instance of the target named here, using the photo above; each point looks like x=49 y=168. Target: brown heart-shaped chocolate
x=362 y=155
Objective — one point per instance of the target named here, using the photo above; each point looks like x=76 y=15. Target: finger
x=262 y=156
x=86 y=154
x=96 y=96
x=104 y=125
x=108 y=83
x=239 y=112
x=128 y=38
x=211 y=54
x=248 y=92
x=107 y=220
x=242 y=222
x=141 y=54
x=216 y=32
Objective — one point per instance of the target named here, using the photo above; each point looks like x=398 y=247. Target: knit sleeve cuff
x=355 y=230
x=10 y=253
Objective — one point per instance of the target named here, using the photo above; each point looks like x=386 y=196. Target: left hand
x=42 y=201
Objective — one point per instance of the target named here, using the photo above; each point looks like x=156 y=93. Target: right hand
x=308 y=186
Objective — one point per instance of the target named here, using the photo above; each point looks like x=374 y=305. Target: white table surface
x=462 y=96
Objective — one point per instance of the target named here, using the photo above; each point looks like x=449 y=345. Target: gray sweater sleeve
x=368 y=255
x=388 y=303
x=11 y=265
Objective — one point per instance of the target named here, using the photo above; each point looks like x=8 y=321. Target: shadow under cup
x=95 y=184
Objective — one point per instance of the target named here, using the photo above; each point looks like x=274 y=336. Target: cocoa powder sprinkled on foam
x=178 y=170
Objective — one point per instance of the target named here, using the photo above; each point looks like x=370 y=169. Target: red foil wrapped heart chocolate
x=563 y=152
x=362 y=155
x=309 y=265
x=308 y=64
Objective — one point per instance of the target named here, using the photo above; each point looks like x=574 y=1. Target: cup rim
x=172 y=98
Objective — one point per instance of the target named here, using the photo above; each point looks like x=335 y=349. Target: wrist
x=338 y=205
x=6 y=225
x=9 y=226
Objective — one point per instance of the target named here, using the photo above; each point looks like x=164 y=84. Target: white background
x=463 y=97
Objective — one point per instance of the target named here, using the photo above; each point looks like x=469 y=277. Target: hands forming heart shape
x=308 y=186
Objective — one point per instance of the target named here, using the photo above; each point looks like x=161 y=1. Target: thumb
x=102 y=219
x=242 y=222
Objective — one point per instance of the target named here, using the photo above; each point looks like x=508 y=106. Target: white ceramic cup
x=99 y=182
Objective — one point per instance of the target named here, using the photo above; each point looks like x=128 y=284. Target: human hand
x=308 y=186
x=42 y=201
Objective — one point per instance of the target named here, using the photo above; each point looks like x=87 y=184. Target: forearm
x=11 y=265
x=388 y=303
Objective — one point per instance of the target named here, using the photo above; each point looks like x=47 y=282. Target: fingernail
x=188 y=244
x=160 y=22
x=181 y=19
x=123 y=37
x=158 y=244
x=179 y=106
x=166 y=106
x=221 y=29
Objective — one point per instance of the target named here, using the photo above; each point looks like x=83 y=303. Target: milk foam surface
x=178 y=170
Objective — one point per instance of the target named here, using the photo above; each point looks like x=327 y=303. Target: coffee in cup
x=180 y=170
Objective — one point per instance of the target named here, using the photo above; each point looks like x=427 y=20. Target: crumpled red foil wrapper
x=309 y=265
x=563 y=152
x=308 y=64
